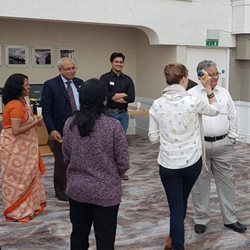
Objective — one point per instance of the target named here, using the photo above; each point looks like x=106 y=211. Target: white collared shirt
x=226 y=122
x=173 y=120
x=75 y=91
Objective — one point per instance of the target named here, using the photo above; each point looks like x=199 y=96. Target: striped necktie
x=71 y=95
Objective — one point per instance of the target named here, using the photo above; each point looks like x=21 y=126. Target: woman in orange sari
x=22 y=166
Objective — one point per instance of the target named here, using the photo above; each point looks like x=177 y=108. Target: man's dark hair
x=92 y=96
x=116 y=54
x=13 y=87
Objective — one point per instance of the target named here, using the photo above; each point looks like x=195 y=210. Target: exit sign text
x=212 y=43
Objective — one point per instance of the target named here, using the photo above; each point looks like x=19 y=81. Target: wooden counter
x=133 y=112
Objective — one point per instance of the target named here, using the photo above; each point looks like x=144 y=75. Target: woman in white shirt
x=175 y=122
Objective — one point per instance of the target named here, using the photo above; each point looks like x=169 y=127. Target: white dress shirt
x=226 y=122
x=174 y=121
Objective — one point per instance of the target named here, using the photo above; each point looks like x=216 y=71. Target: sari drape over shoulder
x=22 y=166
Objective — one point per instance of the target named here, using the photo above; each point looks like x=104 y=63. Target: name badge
x=111 y=83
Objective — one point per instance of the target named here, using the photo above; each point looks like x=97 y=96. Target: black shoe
x=125 y=177
x=62 y=197
x=237 y=227
x=199 y=229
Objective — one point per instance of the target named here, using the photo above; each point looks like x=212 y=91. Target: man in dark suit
x=59 y=100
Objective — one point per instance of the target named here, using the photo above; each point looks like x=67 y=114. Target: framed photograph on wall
x=16 y=55
x=68 y=52
x=42 y=57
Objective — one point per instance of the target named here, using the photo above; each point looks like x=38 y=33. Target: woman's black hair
x=13 y=87
x=92 y=97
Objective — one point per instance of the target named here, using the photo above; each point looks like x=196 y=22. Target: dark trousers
x=59 y=168
x=178 y=184
x=104 y=219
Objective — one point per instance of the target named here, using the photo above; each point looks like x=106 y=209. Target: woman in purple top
x=96 y=154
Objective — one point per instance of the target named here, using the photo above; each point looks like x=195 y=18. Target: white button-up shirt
x=174 y=121
x=226 y=122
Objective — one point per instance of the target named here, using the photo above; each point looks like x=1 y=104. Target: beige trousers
x=219 y=155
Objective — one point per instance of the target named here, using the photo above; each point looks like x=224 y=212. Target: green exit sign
x=212 y=43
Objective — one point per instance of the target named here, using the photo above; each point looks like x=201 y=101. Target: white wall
x=241 y=16
x=219 y=56
x=243 y=111
x=166 y=22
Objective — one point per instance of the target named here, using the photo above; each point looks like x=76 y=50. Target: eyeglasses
x=215 y=75
x=70 y=69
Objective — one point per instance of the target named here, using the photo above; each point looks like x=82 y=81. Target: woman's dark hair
x=174 y=72
x=13 y=87
x=92 y=97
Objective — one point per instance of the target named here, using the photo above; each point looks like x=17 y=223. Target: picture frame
x=42 y=57
x=68 y=52
x=16 y=56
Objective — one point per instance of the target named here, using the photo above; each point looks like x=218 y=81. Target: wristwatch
x=211 y=95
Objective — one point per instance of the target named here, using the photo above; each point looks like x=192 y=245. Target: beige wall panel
x=151 y=60
x=94 y=45
x=144 y=62
x=245 y=80
x=234 y=76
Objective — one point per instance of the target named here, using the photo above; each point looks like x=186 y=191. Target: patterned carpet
x=143 y=219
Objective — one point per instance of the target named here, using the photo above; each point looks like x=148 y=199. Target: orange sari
x=22 y=166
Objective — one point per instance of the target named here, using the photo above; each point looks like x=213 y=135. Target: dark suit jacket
x=55 y=103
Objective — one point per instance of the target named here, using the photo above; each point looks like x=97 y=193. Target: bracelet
x=210 y=96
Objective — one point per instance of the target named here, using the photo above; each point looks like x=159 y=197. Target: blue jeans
x=178 y=184
x=122 y=117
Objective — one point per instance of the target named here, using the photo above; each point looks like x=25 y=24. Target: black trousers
x=104 y=219
x=59 y=168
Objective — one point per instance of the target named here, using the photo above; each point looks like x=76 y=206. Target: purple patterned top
x=96 y=163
